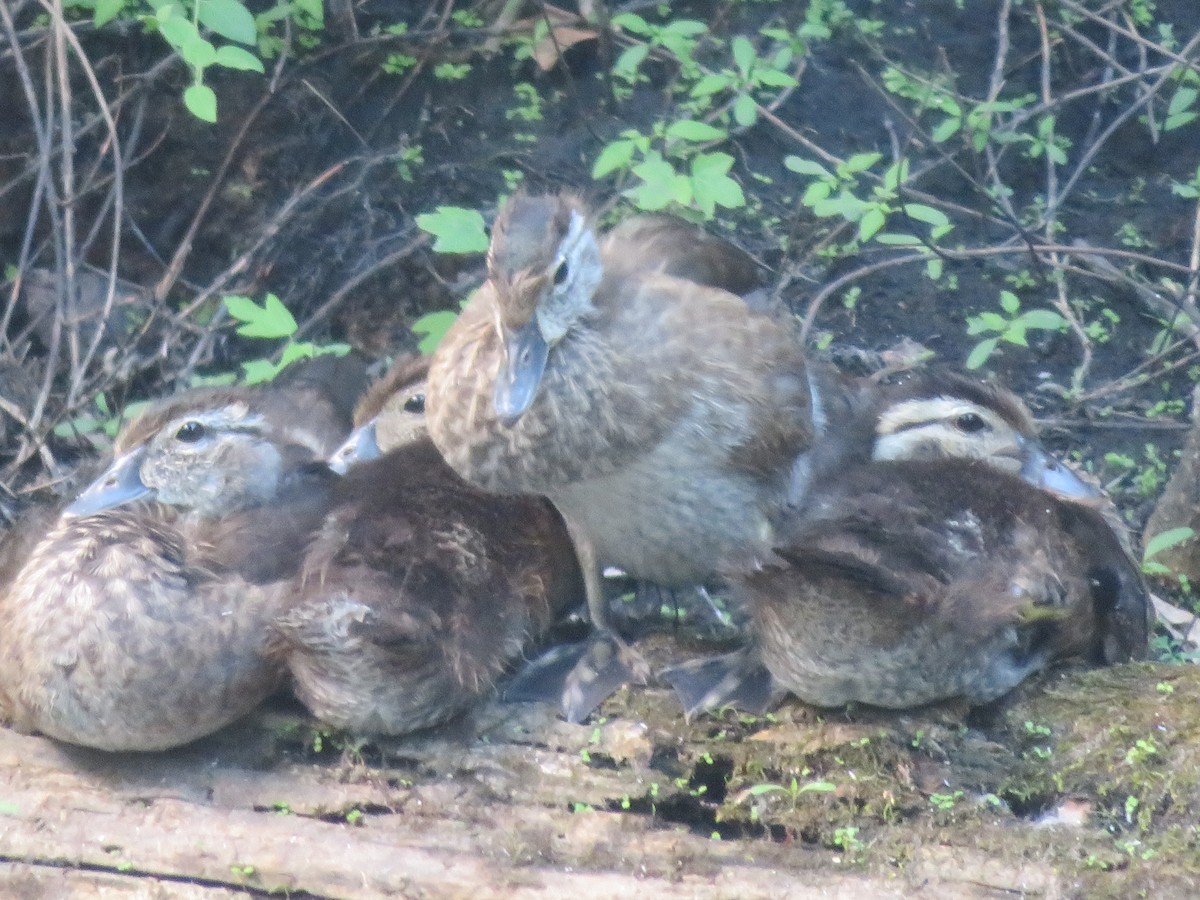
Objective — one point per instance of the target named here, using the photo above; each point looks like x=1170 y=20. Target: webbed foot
x=736 y=679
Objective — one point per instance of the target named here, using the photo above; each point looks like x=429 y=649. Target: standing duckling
x=661 y=415
x=959 y=561
x=140 y=620
x=418 y=591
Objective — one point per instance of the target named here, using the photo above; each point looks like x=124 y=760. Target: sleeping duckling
x=140 y=620
x=959 y=561
x=657 y=410
x=419 y=591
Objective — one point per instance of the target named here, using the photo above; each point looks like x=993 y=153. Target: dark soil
x=308 y=187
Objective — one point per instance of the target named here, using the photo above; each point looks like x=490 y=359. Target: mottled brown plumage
x=660 y=415
x=144 y=626
x=907 y=582
x=953 y=560
x=419 y=591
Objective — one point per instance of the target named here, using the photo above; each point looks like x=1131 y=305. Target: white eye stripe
x=912 y=414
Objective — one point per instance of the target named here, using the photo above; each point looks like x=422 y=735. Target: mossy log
x=1031 y=798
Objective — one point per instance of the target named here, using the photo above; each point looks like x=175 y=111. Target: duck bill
x=360 y=446
x=525 y=355
x=1042 y=470
x=120 y=483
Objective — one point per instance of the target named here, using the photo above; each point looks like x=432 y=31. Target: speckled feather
x=912 y=581
x=145 y=626
x=418 y=592
x=671 y=413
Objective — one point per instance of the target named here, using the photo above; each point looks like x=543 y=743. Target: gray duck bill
x=119 y=484
x=525 y=355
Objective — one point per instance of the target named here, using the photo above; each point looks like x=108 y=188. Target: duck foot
x=734 y=679
x=579 y=676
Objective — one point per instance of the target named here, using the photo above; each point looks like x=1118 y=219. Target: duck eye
x=969 y=423
x=560 y=274
x=190 y=432
x=415 y=404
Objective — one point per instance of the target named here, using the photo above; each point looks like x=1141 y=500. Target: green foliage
x=433 y=326
x=671 y=167
x=750 y=74
x=100 y=427
x=1010 y=325
x=678 y=38
x=273 y=321
x=841 y=193
x=191 y=28
x=945 y=802
x=1160 y=542
x=455 y=230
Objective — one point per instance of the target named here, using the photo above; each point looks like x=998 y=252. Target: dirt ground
x=309 y=185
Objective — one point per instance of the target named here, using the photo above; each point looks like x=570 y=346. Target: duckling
x=661 y=415
x=959 y=560
x=908 y=582
x=140 y=621
x=419 y=591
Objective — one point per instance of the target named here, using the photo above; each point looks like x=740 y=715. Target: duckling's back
x=419 y=591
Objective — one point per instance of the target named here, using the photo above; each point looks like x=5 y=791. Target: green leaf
x=686 y=27
x=933 y=268
x=946 y=130
x=1178 y=121
x=981 y=353
x=845 y=205
x=859 y=162
x=745 y=110
x=177 y=31
x=631 y=22
x=1165 y=539
x=806 y=167
x=198 y=53
x=230 y=19
x=315 y=9
x=271 y=320
x=926 y=214
x=1009 y=302
x=897 y=239
x=743 y=54
x=658 y=188
x=456 y=230
x=106 y=11
x=986 y=321
x=236 y=58
x=201 y=102
x=815 y=193
x=617 y=155
x=1015 y=334
x=629 y=61
x=433 y=327
x=1043 y=319
x=691 y=130
x=256 y=371
x=1183 y=100
x=870 y=223
x=775 y=78
x=711 y=84
x=896 y=174
x=822 y=787
x=711 y=184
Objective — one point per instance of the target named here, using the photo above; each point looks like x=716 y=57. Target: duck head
x=209 y=456
x=949 y=416
x=391 y=414
x=543 y=267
